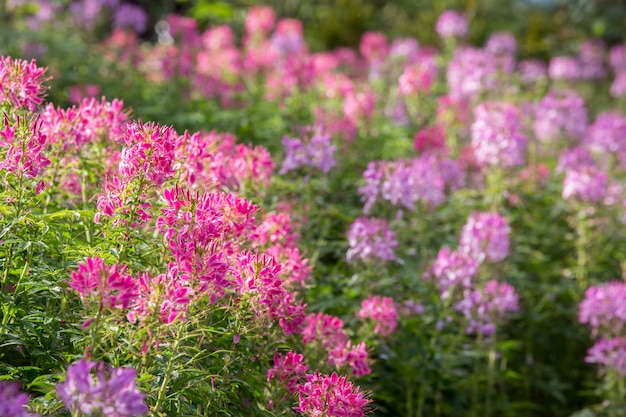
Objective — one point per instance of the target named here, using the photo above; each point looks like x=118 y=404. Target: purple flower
x=604 y=309
x=532 y=70
x=618 y=87
x=318 y=153
x=12 y=401
x=591 y=59
x=574 y=158
x=617 y=58
x=586 y=183
x=131 y=16
x=485 y=308
x=609 y=352
x=112 y=393
x=371 y=239
x=607 y=133
x=470 y=72
x=564 y=68
x=404 y=183
x=453 y=268
x=560 y=114
x=496 y=135
x=485 y=236
x=451 y=24
x=501 y=43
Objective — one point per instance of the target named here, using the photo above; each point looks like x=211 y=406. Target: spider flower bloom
x=532 y=71
x=131 y=16
x=318 y=153
x=12 y=401
x=289 y=369
x=108 y=283
x=451 y=24
x=485 y=236
x=418 y=77
x=610 y=353
x=260 y=20
x=618 y=87
x=382 y=311
x=487 y=307
x=607 y=133
x=112 y=392
x=496 y=135
x=586 y=183
x=371 y=239
x=330 y=395
x=374 y=46
x=324 y=328
x=453 y=268
x=564 y=68
x=592 y=60
x=501 y=43
x=351 y=355
x=560 y=114
x=604 y=309
x=470 y=72
x=21 y=83
x=574 y=158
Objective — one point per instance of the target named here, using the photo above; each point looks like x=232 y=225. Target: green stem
x=490 y=376
x=581 y=246
x=166 y=379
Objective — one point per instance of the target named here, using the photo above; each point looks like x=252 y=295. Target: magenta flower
x=501 y=43
x=418 y=77
x=149 y=150
x=12 y=400
x=618 y=87
x=330 y=395
x=497 y=137
x=109 y=284
x=591 y=60
x=374 y=46
x=354 y=356
x=485 y=236
x=617 y=58
x=575 y=158
x=21 y=83
x=325 y=329
x=564 y=68
x=382 y=311
x=24 y=155
x=371 y=239
x=112 y=393
x=451 y=24
x=260 y=20
x=288 y=369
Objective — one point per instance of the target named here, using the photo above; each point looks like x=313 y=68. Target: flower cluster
x=604 y=310
x=404 y=183
x=108 y=284
x=21 y=83
x=496 y=135
x=451 y=24
x=289 y=369
x=484 y=308
x=330 y=395
x=485 y=236
x=452 y=270
x=12 y=401
x=318 y=153
x=371 y=239
x=112 y=392
x=382 y=311
x=560 y=114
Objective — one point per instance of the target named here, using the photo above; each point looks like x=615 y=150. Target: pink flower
x=604 y=309
x=451 y=24
x=374 y=46
x=24 y=153
x=353 y=356
x=288 y=369
x=610 y=353
x=485 y=236
x=260 y=19
x=109 y=284
x=324 y=395
x=586 y=183
x=323 y=328
x=21 y=83
x=560 y=114
x=497 y=137
x=382 y=311
x=564 y=68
